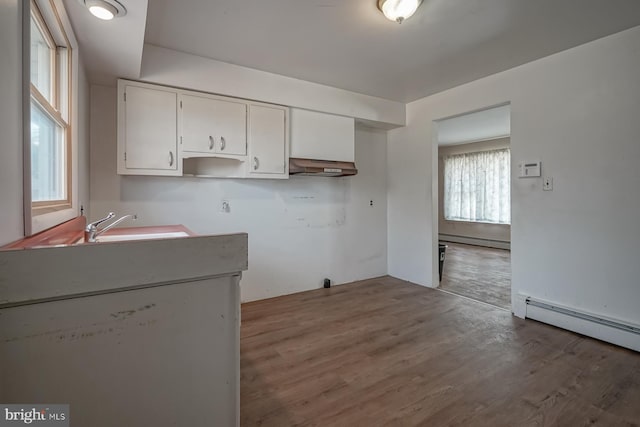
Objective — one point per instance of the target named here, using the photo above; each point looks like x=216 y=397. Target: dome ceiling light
x=398 y=10
x=105 y=9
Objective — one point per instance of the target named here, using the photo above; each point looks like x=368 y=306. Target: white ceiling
x=478 y=126
x=110 y=49
x=348 y=43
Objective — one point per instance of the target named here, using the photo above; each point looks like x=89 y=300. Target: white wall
x=301 y=230
x=577 y=112
x=179 y=69
x=83 y=139
x=11 y=219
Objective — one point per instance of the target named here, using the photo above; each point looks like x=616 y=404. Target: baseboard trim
x=595 y=326
x=489 y=243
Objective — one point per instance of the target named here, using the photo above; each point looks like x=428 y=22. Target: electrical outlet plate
x=225 y=207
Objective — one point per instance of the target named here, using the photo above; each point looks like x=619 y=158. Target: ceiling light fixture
x=105 y=9
x=398 y=10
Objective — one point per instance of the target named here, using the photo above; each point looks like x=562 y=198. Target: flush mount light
x=105 y=9
x=398 y=10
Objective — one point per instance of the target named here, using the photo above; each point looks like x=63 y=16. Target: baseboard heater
x=499 y=244
x=596 y=326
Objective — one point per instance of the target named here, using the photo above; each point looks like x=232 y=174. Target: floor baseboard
x=475 y=241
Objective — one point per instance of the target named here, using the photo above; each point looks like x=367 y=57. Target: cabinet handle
x=223 y=143
x=170 y=158
x=256 y=163
x=210 y=142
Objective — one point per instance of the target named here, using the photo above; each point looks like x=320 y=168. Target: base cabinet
x=130 y=333
x=162 y=356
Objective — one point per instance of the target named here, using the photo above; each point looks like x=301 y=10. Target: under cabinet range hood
x=308 y=167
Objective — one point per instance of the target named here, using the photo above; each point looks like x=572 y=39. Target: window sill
x=465 y=221
x=49 y=208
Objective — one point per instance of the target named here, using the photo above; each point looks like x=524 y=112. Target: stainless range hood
x=308 y=167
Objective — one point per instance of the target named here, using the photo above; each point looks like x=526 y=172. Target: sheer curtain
x=477 y=187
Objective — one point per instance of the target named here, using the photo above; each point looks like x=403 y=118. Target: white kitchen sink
x=147 y=236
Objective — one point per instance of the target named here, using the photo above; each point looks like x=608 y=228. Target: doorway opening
x=474 y=205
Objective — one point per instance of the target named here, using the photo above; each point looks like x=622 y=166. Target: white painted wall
x=301 y=230
x=11 y=218
x=179 y=69
x=577 y=112
x=83 y=139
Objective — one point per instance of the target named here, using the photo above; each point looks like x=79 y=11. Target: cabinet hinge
x=180 y=104
x=180 y=139
x=125 y=97
x=125 y=156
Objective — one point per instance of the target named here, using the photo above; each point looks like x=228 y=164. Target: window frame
x=56 y=110
x=54 y=24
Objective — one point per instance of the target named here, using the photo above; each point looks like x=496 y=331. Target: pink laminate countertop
x=70 y=232
x=63 y=234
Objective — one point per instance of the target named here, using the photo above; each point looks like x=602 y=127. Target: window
x=50 y=128
x=477 y=187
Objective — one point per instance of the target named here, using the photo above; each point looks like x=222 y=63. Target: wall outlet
x=547 y=183
x=225 y=207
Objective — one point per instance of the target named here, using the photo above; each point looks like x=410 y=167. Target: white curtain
x=477 y=187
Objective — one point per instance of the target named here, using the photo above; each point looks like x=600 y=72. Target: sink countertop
x=72 y=233
x=63 y=234
x=86 y=269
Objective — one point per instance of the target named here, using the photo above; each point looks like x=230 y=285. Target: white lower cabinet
x=147 y=131
x=268 y=142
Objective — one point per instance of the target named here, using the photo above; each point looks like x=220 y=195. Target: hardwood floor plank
x=386 y=352
x=479 y=273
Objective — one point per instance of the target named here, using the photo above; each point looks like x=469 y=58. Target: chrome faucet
x=91 y=230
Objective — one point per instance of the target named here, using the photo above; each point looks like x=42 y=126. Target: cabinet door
x=230 y=120
x=213 y=126
x=267 y=140
x=150 y=129
x=198 y=127
x=322 y=136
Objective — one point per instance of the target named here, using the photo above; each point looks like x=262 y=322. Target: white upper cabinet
x=321 y=136
x=268 y=147
x=169 y=131
x=212 y=126
x=147 y=130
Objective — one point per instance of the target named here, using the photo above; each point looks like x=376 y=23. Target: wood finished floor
x=479 y=273
x=386 y=352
